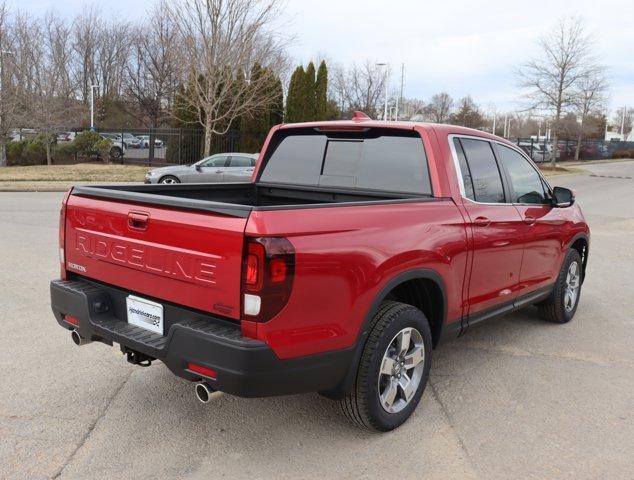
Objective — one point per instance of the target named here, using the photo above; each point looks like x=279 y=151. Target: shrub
x=623 y=154
x=28 y=151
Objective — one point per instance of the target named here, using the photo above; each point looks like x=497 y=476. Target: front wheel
x=169 y=179
x=116 y=152
x=393 y=369
x=561 y=306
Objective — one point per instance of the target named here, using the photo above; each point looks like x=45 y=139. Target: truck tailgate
x=184 y=257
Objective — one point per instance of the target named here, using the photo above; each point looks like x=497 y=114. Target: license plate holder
x=145 y=314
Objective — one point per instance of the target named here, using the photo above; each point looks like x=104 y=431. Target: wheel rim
x=168 y=180
x=573 y=282
x=401 y=370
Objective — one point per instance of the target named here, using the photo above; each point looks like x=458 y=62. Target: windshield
x=375 y=159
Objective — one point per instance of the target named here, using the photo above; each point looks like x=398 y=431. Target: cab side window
x=483 y=171
x=528 y=187
x=214 y=162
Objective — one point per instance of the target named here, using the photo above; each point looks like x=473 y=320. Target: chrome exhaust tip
x=78 y=339
x=203 y=392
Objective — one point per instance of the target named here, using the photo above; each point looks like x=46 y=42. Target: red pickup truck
x=355 y=248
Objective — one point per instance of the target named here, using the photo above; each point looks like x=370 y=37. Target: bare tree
x=53 y=105
x=8 y=104
x=86 y=29
x=439 y=108
x=359 y=88
x=411 y=108
x=112 y=56
x=590 y=98
x=153 y=73
x=222 y=40
x=550 y=79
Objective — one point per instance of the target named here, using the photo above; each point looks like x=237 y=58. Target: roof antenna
x=360 y=117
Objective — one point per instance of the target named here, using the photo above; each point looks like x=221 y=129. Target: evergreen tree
x=309 y=110
x=321 y=92
x=294 y=111
x=254 y=125
x=276 y=115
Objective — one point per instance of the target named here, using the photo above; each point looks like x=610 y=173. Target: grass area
x=82 y=172
x=559 y=170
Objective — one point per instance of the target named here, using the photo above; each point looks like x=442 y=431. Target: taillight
x=62 y=235
x=267 y=277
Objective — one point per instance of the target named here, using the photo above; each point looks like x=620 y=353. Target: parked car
x=357 y=248
x=145 y=141
x=66 y=137
x=538 y=152
x=223 y=167
x=129 y=140
x=118 y=148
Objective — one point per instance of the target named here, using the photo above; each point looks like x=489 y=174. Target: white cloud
x=460 y=46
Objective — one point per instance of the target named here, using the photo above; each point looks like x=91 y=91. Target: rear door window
x=373 y=160
x=240 y=162
x=486 y=177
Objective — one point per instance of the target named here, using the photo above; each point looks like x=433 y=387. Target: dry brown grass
x=549 y=171
x=82 y=172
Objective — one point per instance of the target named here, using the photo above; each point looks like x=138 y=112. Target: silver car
x=223 y=167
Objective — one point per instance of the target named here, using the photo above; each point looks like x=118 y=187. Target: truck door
x=494 y=224
x=541 y=223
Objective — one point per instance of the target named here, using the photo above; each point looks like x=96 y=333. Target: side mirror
x=198 y=168
x=563 y=197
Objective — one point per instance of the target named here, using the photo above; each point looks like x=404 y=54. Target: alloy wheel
x=401 y=370
x=573 y=282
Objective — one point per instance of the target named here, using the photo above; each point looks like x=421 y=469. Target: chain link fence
x=134 y=146
x=543 y=151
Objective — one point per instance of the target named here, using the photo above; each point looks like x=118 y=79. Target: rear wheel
x=393 y=370
x=169 y=179
x=561 y=306
x=116 y=152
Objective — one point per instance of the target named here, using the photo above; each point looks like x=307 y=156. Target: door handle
x=218 y=171
x=528 y=220
x=138 y=220
x=482 y=221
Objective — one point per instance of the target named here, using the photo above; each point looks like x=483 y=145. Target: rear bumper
x=244 y=366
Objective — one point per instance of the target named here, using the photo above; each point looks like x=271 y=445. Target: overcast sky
x=460 y=46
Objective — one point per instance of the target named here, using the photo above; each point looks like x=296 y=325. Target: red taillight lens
x=277 y=270
x=72 y=320
x=204 y=371
x=254 y=265
x=268 y=270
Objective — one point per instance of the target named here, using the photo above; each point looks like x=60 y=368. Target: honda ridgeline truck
x=356 y=247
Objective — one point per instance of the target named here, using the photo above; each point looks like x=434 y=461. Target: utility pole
x=387 y=70
x=494 y=119
x=400 y=98
x=92 y=107
x=623 y=123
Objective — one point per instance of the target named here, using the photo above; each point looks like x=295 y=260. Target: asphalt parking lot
x=515 y=398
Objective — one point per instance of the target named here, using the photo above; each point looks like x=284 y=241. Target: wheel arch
x=402 y=287
x=581 y=243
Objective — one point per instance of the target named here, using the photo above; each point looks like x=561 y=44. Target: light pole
x=387 y=71
x=92 y=107
x=400 y=98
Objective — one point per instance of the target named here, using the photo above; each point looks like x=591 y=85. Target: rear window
x=393 y=161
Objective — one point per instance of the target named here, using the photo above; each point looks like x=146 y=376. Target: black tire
x=116 y=152
x=554 y=309
x=169 y=179
x=362 y=405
